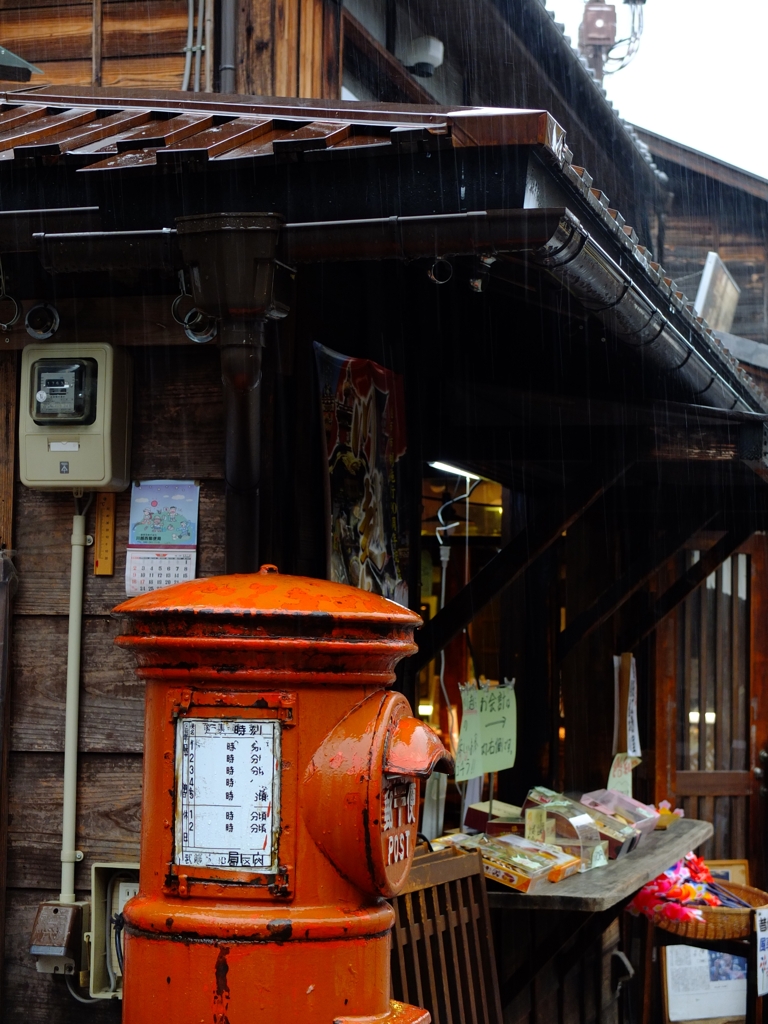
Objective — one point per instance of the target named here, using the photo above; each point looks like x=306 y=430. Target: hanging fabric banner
x=363 y=412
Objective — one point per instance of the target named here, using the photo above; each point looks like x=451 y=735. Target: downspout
x=232 y=266
x=227 y=64
x=241 y=345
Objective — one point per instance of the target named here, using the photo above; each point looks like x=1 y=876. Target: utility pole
x=597 y=34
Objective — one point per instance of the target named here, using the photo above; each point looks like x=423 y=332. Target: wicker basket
x=719 y=922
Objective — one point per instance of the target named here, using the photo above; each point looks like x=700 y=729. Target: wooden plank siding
x=8 y=402
x=285 y=48
x=289 y=48
x=741 y=242
x=142 y=41
x=178 y=433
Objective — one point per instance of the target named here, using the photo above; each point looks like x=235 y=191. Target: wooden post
x=665 y=702
x=286 y=33
x=758 y=701
x=333 y=60
x=311 y=48
x=96 y=45
x=289 y=48
x=8 y=362
x=256 y=45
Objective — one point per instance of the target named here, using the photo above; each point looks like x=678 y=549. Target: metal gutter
x=611 y=295
x=553 y=239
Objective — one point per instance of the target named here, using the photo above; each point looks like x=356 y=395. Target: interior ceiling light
x=447 y=468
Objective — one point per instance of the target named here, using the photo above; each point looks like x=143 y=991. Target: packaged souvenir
x=520 y=863
x=624 y=808
x=570 y=814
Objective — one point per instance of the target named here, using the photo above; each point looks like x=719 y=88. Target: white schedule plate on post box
x=227 y=793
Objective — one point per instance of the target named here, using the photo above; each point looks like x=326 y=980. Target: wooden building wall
x=177 y=435
x=142 y=40
x=706 y=216
x=286 y=48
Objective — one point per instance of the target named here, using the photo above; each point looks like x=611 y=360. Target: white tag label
x=227 y=793
x=63 y=446
x=761 y=924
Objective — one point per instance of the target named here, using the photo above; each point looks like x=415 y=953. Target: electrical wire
x=108 y=932
x=119 y=922
x=632 y=42
x=445 y=554
x=77 y=496
x=76 y=995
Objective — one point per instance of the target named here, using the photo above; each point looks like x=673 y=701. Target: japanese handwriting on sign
x=228 y=788
x=761 y=917
x=488 y=737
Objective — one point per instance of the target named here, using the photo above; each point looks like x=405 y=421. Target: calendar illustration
x=162 y=548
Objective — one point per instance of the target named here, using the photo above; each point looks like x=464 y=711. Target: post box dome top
x=268 y=593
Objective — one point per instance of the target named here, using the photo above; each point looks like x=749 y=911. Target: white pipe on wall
x=69 y=855
x=188 y=47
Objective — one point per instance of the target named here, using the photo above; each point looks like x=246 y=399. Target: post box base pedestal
x=188 y=978
x=399 y=1013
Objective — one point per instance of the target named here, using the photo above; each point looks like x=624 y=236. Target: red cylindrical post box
x=280 y=801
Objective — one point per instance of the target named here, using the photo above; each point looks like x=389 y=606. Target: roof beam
x=639 y=572
x=510 y=563
x=710 y=561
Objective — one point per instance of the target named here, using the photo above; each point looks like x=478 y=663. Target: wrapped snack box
x=622 y=838
x=624 y=808
x=565 y=864
x=521 y=863
x=477 y=814
x=505 y=826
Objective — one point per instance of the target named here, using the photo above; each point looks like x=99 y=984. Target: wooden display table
x=589 y=903
x=617 y=882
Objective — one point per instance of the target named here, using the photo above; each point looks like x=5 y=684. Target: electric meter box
x=75 y=417
x=112 y=885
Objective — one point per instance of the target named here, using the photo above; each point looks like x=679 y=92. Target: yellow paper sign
x=488 y=737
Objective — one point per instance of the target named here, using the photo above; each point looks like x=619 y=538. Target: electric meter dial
x=64 y=391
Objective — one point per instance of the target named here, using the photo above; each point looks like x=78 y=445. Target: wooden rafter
x=641 y=570
x=693 y=577
x=505 y=567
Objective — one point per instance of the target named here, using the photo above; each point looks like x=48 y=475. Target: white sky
x=700 y=76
